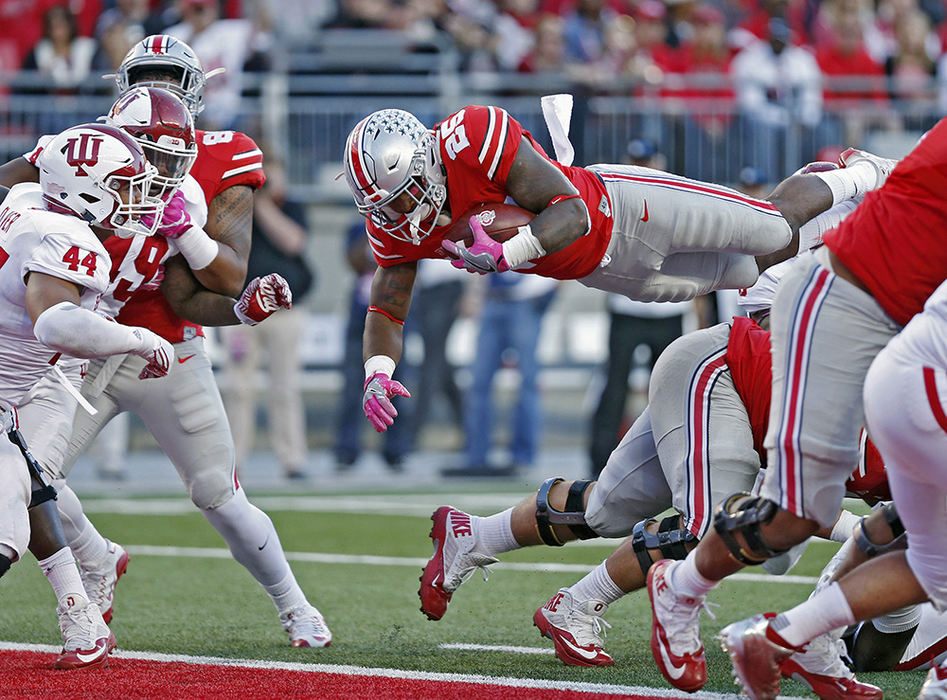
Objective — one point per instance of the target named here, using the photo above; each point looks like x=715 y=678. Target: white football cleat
x=99 y=580
x=882 y=166
x=87 y=640
x=306 y=627
x=578 y=631
x=820 y=667
x=935 y=685
x=454 y=560
x=675 y=630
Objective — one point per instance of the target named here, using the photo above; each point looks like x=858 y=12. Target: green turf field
x=211 y=606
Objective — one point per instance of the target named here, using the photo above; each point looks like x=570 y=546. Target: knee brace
x=670 y=539
x=573 y=516
x=871 y=549
x=5 y=564
x=745 y=513
x=40 y=496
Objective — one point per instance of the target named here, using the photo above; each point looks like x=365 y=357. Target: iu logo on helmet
x=83 y=150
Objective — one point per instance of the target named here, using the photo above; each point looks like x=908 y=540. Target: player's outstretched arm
x=191 y=301
x=389 y=303
x=16 y=171
x=61 y=324
x=230 y=223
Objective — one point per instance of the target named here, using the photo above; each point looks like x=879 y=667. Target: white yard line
x=392 y=673
x=373 y=560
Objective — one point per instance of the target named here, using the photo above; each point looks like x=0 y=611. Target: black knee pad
x=573 y=516
x=40 y=496
x=871 y=549
x=745 y=513
x=670 y=539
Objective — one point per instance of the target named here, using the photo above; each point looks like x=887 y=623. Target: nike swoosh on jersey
x=645 y=217
x=584 y=653
x=100 y=644
x=673 y=671
x=182 y=360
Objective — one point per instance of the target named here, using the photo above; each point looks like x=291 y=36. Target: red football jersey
x=869 y=481
x=750 y=363
x=477 y=147
x=894 y=241
x=224 y=159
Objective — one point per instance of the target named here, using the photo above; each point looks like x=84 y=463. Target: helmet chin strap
x=420 y=213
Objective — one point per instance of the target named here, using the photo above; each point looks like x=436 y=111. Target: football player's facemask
x=100 y=174
x=394 y=172
x=163 y=55
x=164 y=128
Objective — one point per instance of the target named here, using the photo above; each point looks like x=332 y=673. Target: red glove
x=262 y=297
x=157 y=351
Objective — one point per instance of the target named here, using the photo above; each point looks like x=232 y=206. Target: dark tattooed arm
x=230 y=223
x=391 y=292
x=193 y=302
x=533 y=183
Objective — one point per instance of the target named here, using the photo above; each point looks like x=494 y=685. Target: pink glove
x=485 y=255
x=174 y=220
x=262 y=297
x=376 y=401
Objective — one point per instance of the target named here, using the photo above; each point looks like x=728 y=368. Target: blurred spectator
x=435 y=307
x=298 y=21
x=778 y=85
x=117 y=32
x=511 y=320
x=548 y=52
x=350 y=419
x=360 y=14
x=910 y=67
x=471 y=30
x=131 y=14
x=62 y=56
x=514 y=29
x=220 y=43
x=279 y=239
x=584 y=30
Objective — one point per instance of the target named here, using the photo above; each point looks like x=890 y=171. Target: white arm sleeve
x=78 y=332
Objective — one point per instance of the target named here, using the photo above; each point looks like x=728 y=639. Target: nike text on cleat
x=306 y=627
x=821 y=668
x=577 y=630
x=675 y=632
x=757 y=659
x=453 y=562
x=935 y=685
x=87 y=640
x=99 y=579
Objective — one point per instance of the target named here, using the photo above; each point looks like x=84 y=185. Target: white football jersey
x=33 y=239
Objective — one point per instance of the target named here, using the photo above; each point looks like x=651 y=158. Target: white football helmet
x=165 y=54
x=99 y=173
x=390 y=153
x=164 y=128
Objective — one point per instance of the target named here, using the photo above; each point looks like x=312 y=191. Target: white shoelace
x=78 y=628
x=587 y=627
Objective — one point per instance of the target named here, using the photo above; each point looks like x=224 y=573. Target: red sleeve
x=225 y=159
x=482 y=140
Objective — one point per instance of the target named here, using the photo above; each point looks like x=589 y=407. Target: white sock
x=844 y=526
x=86 y=543
x=495 y=533
x=850 y=182
x=686 y=580
x=597 y=585
x=823 y=612
x=63 y=574
x=252 y=539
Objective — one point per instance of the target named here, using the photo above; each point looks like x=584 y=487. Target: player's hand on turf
x=263 y=297
x=157 y=351
x=174 y=219
x=376 y=401
x=484 y=254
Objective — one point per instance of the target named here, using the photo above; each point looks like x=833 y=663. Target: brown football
x=499 y=220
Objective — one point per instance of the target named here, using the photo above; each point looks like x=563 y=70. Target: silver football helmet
x=388 y=154
x=164 y=53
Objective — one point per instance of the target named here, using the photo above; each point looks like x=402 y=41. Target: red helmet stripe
x=358 y=164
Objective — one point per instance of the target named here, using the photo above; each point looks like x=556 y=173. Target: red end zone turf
x=28 y=674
